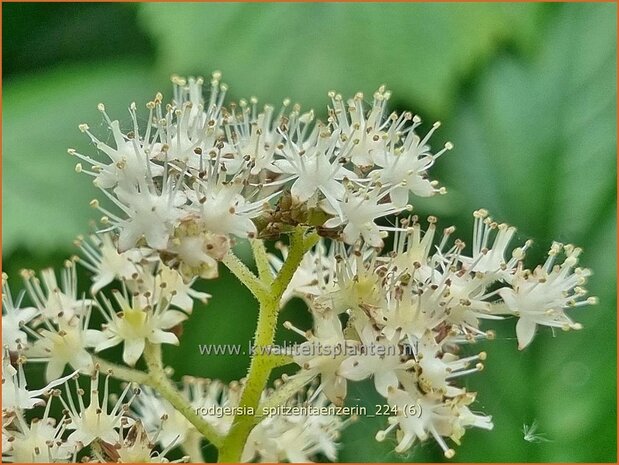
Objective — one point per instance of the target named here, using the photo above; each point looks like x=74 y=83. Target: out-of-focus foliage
x=37 y=35
x=45 y=203
x=304 y=50
x=526 y=92
x=537 y=147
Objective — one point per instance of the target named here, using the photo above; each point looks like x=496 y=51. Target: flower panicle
x=392 y=297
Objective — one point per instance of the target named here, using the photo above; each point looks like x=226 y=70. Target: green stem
x=262 y=261
x=283 y=393
x=245 y=275
x=299 y=245
x=121 y=372
x=280 y=360
x=158 y=380
x=260 y=366
x=192 y=448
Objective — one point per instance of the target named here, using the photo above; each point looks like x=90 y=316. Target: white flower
x=490 y=259
x=38 y=440
x=65 y=344
x=136 y=323
x=191 y=131
x=224 y=210
x=362 y=133
x=315 y=169
x=353 y=282
x=358 y=211
x=161 y=418
x=323 y=353
x=198 y=176
x=295 y=438
x=164 y=284
x=197 y=250
x=106 y=263
x=466 y=301
x=405 y=168
x=257 y=136
x=415 y=250
x=142 y=272
x=410 y=310
x=205 y=397
x=541 y=297
x=135 y=446
x=15 y=393
x=420 y=417
x=96 y=421
x=13 y=317
x=55 y=302
x=435 y=367
x=172 y=287
x=131 y=161
x=380 y=358
x=150 y=214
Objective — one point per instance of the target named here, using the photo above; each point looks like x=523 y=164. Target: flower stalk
x=261 y=366
x=158 y=380
x=389 y=300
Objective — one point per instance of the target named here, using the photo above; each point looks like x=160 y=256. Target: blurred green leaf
x=45 y=203
x=67 y=33
x=536 y=145
x=536 y=142
x=304 y=50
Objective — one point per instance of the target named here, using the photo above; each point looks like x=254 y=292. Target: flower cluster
x=200 y=174
x=390 y=298
x=411 y=313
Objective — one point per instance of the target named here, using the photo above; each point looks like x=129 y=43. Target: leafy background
x=527 y=93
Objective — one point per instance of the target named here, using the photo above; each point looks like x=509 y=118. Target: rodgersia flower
x=13 y=317
x=15 y=393
x=315 y=168
x=224 y=210
x=422 y=302
x=135 y=446
x=296 y=438
x=420 y=416
x=97 y=420
x=383 y=364
x=162 y=420
x=204 y=395
x=322 y=354
x=51 y=300
x=540 y=297
x=151 y=215
x=65 y=343
x=406 y=170
x=38 y=441
x=106 y=263
x=190 y=180
x=358 y=210
x=138 y=321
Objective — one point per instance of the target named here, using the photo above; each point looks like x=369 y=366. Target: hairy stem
x=192 y=447
x=283 y=393
x=121 y=372
x=261 y=366
x=158 y=380
x=262 y=261
x=245 y=275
